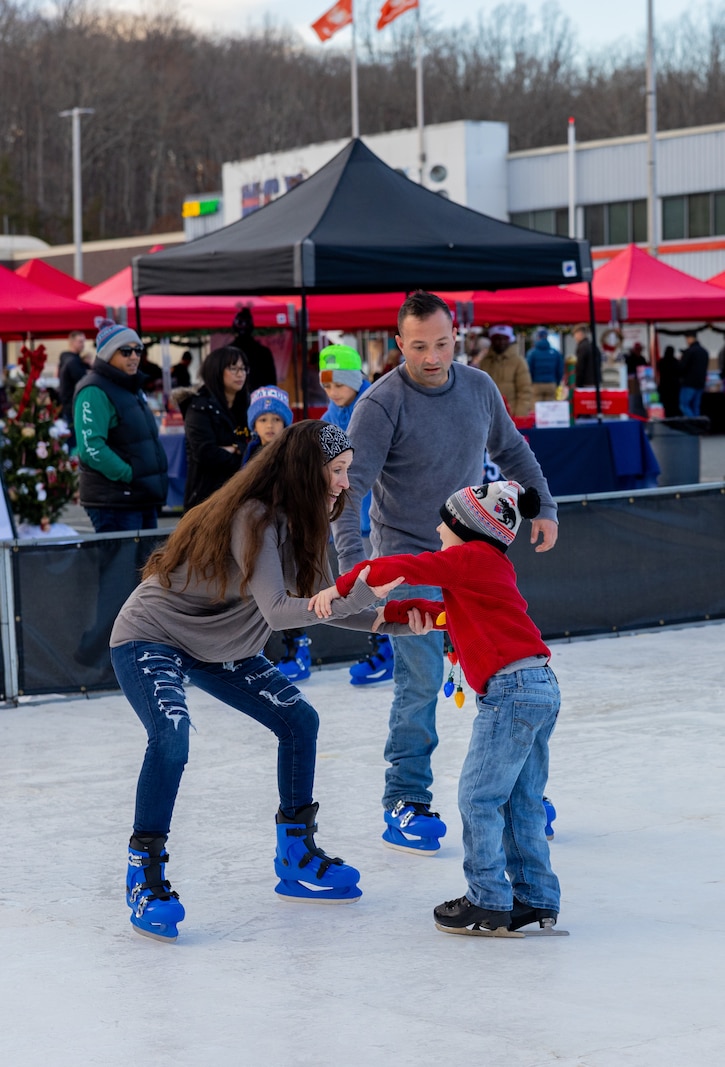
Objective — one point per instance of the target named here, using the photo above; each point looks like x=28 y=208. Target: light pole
x=75 y=113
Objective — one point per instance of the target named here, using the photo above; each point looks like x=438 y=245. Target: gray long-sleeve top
x=193 y=619
x=415 y=446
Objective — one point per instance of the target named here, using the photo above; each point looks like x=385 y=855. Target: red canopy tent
x=41 y=273
x=649 y=290
x=717 y=279
x=550 y=304
x=28 y=309
x=175 y=314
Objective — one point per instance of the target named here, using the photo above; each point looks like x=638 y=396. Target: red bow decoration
x=32 y=361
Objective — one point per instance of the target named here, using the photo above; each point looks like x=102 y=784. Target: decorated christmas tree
x=39 y=474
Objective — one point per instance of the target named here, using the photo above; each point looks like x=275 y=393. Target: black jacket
x=693 y=366
x=135 y=439
x=210 y=427
x=71 y=369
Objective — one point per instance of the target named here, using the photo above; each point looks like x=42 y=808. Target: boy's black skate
x=460 y=916
x=523 y=914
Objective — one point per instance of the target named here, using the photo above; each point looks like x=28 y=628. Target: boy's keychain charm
x=450 y=688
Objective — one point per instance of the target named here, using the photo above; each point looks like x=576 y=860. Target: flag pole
x=419 y=96
x=353 y=79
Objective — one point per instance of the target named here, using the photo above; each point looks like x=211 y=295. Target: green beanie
x=341 y=364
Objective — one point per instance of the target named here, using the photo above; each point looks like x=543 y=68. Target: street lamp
x=75 y=113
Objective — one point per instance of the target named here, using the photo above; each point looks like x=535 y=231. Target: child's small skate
x=413 y=827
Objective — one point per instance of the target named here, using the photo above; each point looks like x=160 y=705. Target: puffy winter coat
x=510 y=371
x=210 y=427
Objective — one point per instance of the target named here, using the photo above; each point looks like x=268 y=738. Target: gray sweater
x=415 y=446
x=194 y=621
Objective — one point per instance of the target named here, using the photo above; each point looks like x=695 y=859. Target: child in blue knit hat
x=268 y=414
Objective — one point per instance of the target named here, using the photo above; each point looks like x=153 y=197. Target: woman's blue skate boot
x=550 y=816
x=297 y=661
x=155 y=907
x=378 y=666
x=413 y=828
x=305 y=871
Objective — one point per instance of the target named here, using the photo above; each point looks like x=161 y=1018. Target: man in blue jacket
x=546 y=366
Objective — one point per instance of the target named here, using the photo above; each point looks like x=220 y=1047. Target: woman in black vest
x=123 y=479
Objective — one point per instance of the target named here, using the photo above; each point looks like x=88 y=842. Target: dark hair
x=421 y=305
x=669 y=351
x=287 y=475
x=212 y=375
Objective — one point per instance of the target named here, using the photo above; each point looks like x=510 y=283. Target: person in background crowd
x=419 y=433
x=588 y=369
x=259 y=358
x=634 y=358
x=154 y=375
x=693 y=375
x=181 y=372
x=71 y=369
x=546 y=366
x=215 y=421
x=668 y=382
x=123 y=479
x=342 y=379
x=268 y=415
x=510 y=371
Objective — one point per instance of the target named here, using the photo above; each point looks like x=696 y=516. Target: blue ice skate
x=413 y=828
x=378 y=666
x=306 y=873
x=550 y=816
x=155 y=907
x=297 y=661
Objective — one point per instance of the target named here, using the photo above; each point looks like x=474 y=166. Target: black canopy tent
x=356 y=226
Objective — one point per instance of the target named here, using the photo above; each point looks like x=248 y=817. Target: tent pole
x=138 y=314
x=303 y=350
x=595 y=351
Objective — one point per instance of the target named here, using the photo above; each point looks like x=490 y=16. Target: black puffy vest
x=135 y=440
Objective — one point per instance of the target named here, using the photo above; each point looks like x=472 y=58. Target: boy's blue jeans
x=152 y=677
x=501 y=790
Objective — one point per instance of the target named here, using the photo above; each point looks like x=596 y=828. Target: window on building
x=619 y=223
x=548 y=220
x=697 y=215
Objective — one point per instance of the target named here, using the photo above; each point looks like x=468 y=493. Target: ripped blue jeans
x=152 y=677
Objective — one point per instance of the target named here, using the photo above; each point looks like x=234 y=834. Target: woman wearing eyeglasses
x=215 y=421
x=123 y=479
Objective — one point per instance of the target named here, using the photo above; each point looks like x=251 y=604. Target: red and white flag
x=392 y=8
x=333 y=20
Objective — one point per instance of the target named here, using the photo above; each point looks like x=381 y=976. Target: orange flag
x=333 y=20
x=392 y=8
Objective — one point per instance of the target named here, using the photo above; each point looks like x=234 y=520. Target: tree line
x=171 y=104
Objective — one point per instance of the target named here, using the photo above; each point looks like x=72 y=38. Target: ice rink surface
x=638 y=780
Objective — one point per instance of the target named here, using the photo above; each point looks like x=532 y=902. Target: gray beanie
x=113 y=336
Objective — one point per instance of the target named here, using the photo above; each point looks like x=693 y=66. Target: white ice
x=637 y=776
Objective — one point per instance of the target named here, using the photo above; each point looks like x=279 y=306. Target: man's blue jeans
x=117 y=520
x=690 y=401
x=152 y=677
x=501 y=790
x=412 y=737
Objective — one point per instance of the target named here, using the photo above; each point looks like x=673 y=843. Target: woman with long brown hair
x=209 y=599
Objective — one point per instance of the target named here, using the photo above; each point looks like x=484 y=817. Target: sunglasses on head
x=132 y=350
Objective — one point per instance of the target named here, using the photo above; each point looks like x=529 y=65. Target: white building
x=470 y=163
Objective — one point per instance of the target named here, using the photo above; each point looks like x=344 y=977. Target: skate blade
x=477 y=931
x=318 y=899
x=166 y=939
x=417 y=850
x=544 y=933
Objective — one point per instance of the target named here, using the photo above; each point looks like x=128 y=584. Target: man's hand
x=548 y=530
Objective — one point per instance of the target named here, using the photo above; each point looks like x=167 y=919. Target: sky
x=597 y=24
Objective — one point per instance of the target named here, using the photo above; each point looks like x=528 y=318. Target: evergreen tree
x=40 y=475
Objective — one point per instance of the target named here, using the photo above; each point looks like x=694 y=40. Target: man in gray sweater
x=419 y=434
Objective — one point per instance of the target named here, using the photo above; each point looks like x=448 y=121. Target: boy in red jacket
x=506 y=854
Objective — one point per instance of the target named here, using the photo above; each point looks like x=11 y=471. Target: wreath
x=612 y=339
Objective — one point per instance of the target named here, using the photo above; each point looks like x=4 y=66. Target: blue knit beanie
x=269 y=400
x=113 y=336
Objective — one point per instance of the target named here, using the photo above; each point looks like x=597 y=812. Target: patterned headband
x=333 y=441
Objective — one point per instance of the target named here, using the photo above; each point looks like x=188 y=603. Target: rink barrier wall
x=623 y=561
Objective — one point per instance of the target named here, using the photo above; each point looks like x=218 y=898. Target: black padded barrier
x=622 y=562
